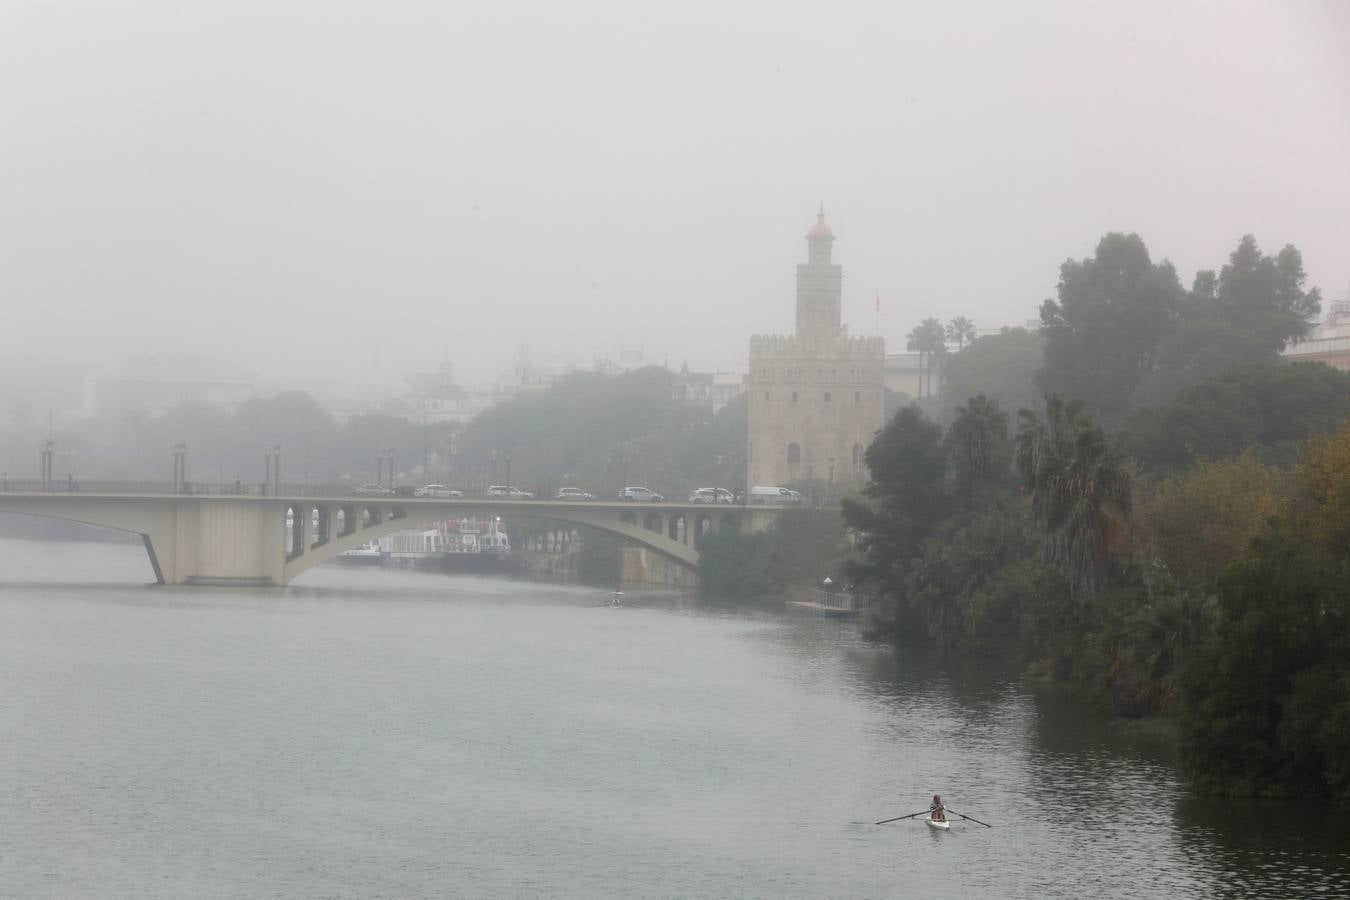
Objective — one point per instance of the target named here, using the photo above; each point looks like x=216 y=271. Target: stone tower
x=816 y=397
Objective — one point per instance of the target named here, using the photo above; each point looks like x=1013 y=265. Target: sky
x=340 y=193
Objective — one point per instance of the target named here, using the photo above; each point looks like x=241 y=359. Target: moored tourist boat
x=368 y=554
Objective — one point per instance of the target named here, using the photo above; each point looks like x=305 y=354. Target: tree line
x=1140 y=499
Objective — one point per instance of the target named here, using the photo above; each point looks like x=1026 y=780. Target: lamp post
x=267 y=473
x=494 y=466
x=179 y=468
x=276 y=471
x=391 y=468
x=508 y=468
x=829 y=491
x=48 y=450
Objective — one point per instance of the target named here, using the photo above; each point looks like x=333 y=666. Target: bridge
x=239 y=539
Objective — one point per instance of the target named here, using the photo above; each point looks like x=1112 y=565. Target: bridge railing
x=199 y=488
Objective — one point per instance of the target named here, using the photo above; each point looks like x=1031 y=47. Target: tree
x=934 y=338
x=1322 y=501
x=1265 y=703
x=905 y=497
x=977 y=437
x=1270 y=408
x=1201 y=521
x=929 y=340
x=1080 y=490
x=1248 y=313
x=1103 y=333
x=961 y=330
x=1001 y=366
x=917 y=341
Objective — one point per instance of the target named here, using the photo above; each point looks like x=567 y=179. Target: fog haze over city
x=347 y=192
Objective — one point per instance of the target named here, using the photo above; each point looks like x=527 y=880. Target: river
x=368 y=733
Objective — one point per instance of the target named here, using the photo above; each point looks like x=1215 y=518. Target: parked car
x=641 y=495
x=506 y=492
x=571 y=493
x=405 y=490
x=372 y=490
x=439 y=490
x=774 y=496
x=712 y=495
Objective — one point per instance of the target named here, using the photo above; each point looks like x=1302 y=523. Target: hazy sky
x=345 y=191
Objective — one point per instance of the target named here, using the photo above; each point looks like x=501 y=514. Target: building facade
x=816 y=397
x=1328 y=342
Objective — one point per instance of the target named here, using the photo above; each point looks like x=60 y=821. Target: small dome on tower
x=820 y=229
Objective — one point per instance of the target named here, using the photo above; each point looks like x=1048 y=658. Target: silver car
x=439 y=490
x=506 y=492
x=571 y=493
x=712 y=495
x=640 y=495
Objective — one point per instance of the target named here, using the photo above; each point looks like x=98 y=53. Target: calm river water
x=366 y=733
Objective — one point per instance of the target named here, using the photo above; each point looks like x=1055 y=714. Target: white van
x=774 y=496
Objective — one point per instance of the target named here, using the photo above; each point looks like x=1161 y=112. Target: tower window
x=766 y=396
x=857 y=455
x=794 y=396
x=857 y=396
x=827 y=396
x=794 y=454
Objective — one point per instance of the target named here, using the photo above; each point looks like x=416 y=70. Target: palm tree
x=934 y=339
x=976 y=433
x=915 y=341
x=960 y=329
x=1080 y=489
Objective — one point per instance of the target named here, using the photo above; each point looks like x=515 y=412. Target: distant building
x=903 y=374
x=1329 y=341
x=816 y=397
x=155 y=384
x=434 y=397
x=711 y=389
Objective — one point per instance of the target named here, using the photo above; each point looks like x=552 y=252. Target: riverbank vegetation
x=1167 y=529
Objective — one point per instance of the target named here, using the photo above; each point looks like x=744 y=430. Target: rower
x=937 y=812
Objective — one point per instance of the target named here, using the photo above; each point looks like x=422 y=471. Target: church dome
x=820 y=229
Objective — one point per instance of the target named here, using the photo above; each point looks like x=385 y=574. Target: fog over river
x=398 y=734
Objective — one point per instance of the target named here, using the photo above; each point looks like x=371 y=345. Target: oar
x=898 y=818
x=971 y=818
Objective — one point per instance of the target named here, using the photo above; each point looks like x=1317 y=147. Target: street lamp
x=829 y=492
x=179 y=467
x=494 y=466
x=276 y=471
x=508 y=468
x=391 y=468
x=267 y=473
x=48 y=450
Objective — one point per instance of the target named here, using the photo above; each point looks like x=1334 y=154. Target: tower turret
x=819 y=283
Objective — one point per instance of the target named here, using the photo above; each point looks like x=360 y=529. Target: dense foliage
x=1001 y=366
x=1269 y=408
x=1124 y=334
x=802 y=548
x=1217 y=593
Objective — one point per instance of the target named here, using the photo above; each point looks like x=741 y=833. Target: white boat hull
x=942 y=825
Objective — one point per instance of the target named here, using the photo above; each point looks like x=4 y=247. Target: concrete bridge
x=245 y=540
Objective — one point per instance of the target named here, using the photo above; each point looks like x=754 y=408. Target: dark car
x=405 y=490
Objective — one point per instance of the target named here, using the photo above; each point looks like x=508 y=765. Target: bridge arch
x=230 y=539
